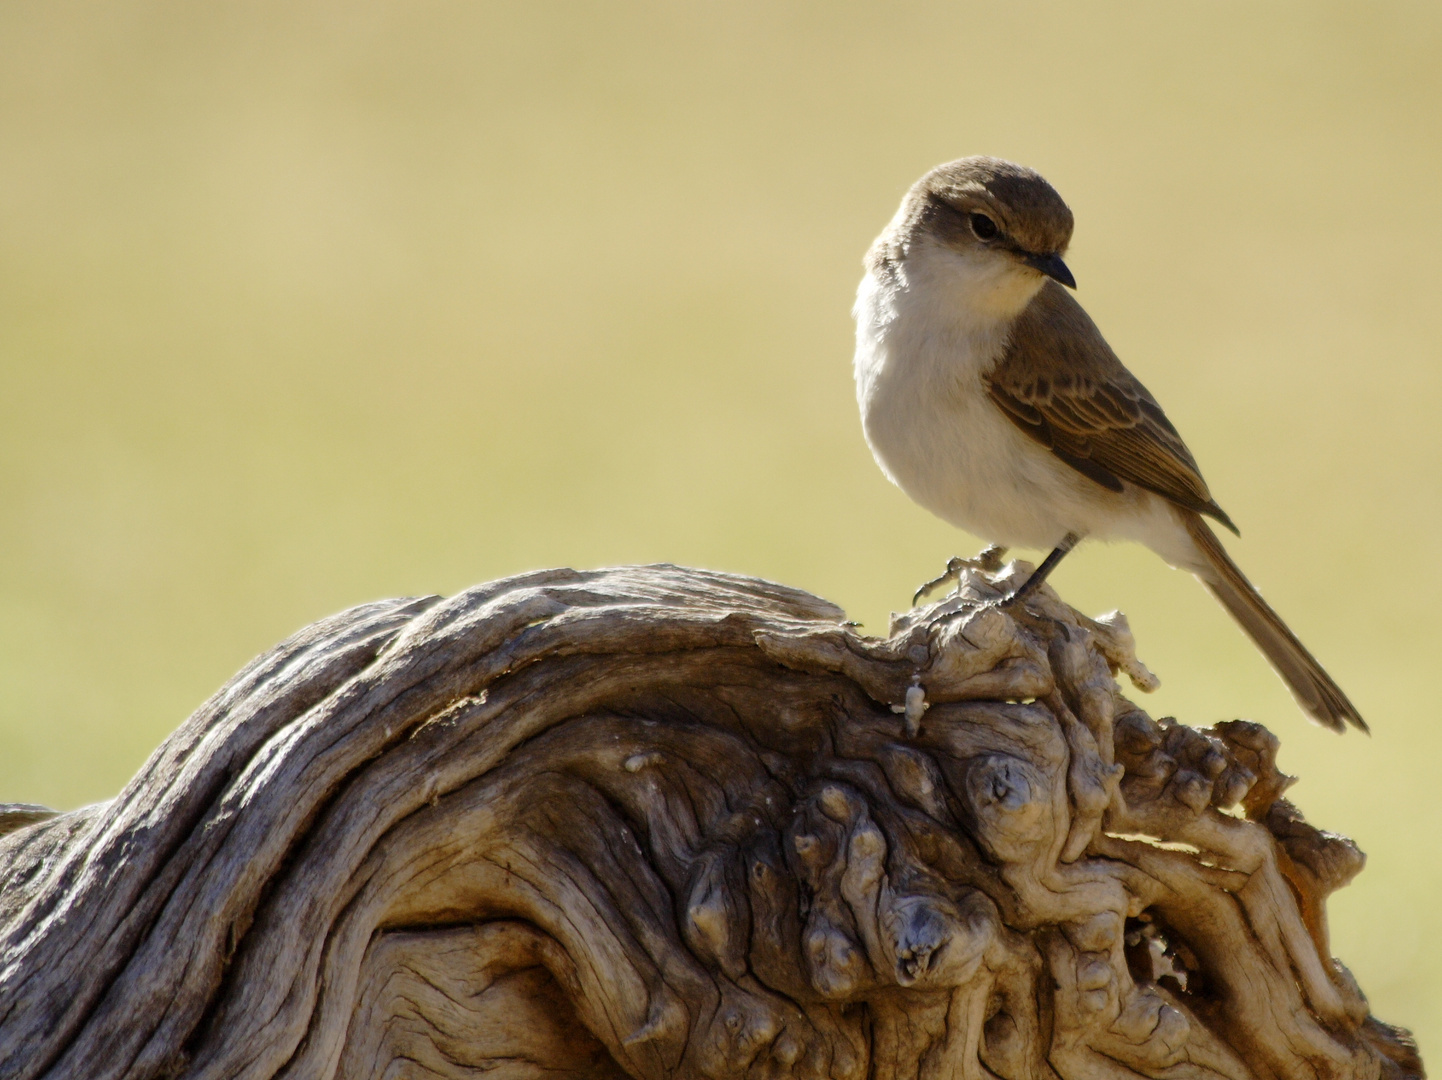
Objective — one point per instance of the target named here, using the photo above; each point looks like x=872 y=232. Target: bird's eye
x=983 y=227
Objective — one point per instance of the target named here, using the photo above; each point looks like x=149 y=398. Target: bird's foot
x=954 y=566
x=988 y=559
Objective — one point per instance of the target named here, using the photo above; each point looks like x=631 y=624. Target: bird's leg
x=989 y=559
x=953 y=570
x=1039 y=575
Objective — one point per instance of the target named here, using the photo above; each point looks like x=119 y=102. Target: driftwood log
x=658 y=823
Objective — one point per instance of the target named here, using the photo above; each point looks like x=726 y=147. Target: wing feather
x=1062 y=385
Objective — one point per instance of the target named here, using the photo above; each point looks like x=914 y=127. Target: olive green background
x=304 y=304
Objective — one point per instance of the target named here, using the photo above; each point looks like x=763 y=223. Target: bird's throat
x=982 y=290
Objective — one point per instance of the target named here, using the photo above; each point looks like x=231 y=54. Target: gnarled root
x=664 y=823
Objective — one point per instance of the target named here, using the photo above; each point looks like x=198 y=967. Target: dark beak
x=1052 y=267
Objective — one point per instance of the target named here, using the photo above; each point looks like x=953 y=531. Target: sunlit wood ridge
x=662 y=822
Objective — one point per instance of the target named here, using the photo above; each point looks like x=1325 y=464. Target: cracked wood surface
x=657 y=822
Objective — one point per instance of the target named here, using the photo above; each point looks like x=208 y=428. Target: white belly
x=954 y=452
x=938 y=436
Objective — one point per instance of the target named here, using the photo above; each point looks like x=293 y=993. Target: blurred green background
x=304 y=304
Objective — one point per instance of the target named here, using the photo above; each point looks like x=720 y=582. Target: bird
x=991 y=398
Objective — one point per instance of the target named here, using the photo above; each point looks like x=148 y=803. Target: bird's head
x=996 y=214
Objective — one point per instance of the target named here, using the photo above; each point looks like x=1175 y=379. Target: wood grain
x=658 y=822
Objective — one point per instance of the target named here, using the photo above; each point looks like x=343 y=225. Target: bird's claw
x=988 y=559
x=953 y=570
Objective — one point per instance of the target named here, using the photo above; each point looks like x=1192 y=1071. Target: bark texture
x=657 y=822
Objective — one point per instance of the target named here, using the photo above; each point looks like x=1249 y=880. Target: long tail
x=1320 y=697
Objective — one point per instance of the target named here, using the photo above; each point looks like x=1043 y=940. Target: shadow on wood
x=660 y=822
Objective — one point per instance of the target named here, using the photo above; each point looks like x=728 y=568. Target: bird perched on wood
x=990 y=397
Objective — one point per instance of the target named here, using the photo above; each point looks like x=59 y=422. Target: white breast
x=923 y=343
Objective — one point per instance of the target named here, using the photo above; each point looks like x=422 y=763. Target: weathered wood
x=666 y=823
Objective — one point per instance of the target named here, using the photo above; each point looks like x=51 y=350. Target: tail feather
x=1320 y=697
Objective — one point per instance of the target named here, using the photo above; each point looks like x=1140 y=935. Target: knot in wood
x=659 y=823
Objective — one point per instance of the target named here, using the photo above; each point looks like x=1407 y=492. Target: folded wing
x=1060 y=382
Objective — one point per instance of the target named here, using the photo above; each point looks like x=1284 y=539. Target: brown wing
x=1060 y=382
